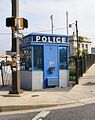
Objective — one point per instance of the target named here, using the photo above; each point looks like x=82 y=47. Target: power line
x=54 y=29
x=60 y=28
x=5 y=33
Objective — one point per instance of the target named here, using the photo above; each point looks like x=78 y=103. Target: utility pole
x=76 y=25
x=77 y=60
x=52 y=26
x=67 y=23
x=67 y=30
x=77 y=39
x=15 y=52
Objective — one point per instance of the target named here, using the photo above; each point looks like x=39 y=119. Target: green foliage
x=72 y=74
x=77 y=52
x=80 y=39
x=72 y=78
x=84 y=52
x=72 y=60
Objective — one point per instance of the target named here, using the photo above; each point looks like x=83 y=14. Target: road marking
x=41 y=115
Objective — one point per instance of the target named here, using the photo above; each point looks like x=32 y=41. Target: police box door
x=51 y=69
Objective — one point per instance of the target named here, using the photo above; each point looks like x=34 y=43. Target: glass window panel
x=26 y=58
x=83 y=46
x=86 y=46
x=38 y=57
x=63 y=57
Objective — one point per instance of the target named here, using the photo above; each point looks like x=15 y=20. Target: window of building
x=82 y=46
x=63 y=57
x=79 y=45
x=86 y=46
x=38 y=57
x=26 y=58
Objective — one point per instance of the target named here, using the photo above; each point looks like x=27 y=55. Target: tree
x=84 y=52
x=80 y=39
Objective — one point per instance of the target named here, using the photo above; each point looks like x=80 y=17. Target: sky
x=38 y=13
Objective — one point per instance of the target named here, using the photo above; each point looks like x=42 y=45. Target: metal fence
x=5 y=73
x=79 y=66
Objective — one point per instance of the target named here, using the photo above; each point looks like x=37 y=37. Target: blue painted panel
x=51 y=69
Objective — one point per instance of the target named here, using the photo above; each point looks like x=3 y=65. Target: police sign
x=50 y=39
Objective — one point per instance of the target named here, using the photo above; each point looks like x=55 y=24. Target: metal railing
x=5 y=70
x=80 y=66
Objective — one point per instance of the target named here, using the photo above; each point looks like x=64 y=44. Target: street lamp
x=77 y=66
x=70 y=25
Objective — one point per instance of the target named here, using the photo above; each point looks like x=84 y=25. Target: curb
x=28 y=107
x=23 y=107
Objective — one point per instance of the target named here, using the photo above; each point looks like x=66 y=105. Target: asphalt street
x=85 y=112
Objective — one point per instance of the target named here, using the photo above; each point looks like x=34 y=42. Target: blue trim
x=68 y=57
x=47 y=75
x=41 y=43
x=44 y=84
x=46 y=34
x=32 y=58
x=58 y=66
x=24 y=46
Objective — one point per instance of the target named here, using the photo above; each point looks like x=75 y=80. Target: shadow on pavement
x=5 y=88
x=89 y=83
x=64 y=89
x=56 y=89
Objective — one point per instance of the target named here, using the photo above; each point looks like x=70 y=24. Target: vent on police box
x=52 y=81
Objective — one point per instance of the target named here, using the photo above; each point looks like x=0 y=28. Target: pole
x=67 y=23
x=51 y=17
x=2 y=74
x=77 y=39
x=15 y=50
x=68 y=52
x=77 y=59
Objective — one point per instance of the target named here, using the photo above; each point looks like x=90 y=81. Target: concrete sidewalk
x=83 y=93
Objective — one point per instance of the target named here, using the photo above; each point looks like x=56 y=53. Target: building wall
x=82 y=45
x=26 y=80
x=64 y=78
x=71 y=48
x=31 y=80
x=92 y=50
x=37 y=80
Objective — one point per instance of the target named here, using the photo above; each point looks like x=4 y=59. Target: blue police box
x=44 y=61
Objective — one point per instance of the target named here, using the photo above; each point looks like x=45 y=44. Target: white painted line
x=41 y=115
